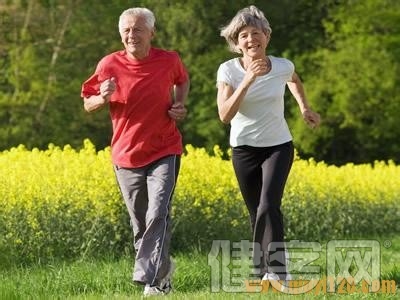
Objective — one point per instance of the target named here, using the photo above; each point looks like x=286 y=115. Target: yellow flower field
x=64 y=203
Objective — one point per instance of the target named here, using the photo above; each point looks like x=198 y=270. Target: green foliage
x=345 y=51
x=352 y=82
x=64 y=203
x=46 y=57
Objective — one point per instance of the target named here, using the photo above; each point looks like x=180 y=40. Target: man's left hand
x=177 y=111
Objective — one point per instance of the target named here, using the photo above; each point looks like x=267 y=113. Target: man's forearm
x=94 y=103
x=181 y=92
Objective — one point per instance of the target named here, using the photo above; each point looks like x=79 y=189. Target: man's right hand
x=95 y=102
x=107 y=88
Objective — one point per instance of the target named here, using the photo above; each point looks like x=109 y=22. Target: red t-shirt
x=142 y=129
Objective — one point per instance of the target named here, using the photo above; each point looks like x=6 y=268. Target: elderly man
x=145 y=89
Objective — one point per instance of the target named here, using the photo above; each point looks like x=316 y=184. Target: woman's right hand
x=256 y=68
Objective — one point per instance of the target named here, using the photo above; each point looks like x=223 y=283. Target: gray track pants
x=147 y=192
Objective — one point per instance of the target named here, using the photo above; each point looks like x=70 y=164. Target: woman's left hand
x=312 y=118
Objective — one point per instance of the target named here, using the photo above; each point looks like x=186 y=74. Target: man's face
x=136 y=36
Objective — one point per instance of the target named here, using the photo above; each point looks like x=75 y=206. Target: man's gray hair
x=138 y=11
x=249 y=16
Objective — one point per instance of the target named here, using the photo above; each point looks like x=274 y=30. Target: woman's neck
x=246 y=60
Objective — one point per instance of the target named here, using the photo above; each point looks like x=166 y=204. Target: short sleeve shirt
x=260 y=121
x=142 y=129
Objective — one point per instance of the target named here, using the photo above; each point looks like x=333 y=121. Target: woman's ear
x=237 y=49
x=268 y=38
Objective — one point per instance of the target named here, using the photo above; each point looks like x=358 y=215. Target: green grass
x=110 y=279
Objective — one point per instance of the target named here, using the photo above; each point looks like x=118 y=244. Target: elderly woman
x=251 y=98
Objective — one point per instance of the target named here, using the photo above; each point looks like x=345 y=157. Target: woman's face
x=252 y=41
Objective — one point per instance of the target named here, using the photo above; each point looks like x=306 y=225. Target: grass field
x=110 y=279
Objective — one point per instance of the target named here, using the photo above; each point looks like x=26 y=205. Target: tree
x=48 y=48
x=45 y=57
x=352 y=82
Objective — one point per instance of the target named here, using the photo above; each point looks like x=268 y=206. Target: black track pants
x=262 y=174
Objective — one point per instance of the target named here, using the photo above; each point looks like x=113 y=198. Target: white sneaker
x=165 y=285
x=154 y=290
x=276 y=282
x=270 y=276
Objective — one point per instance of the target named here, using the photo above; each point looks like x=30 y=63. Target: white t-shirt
x=260 y=121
